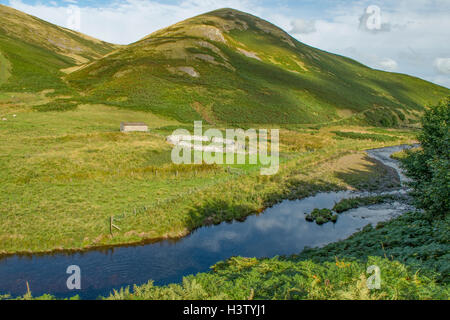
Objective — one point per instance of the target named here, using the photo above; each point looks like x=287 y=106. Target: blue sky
x=406 y=36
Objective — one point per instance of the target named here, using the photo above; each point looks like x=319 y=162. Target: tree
x=429 y=168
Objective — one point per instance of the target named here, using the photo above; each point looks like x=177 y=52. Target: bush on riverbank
x=353 y=203
x=399 y=156
x=429 y=167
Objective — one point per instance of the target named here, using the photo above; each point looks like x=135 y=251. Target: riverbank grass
x=353 y=203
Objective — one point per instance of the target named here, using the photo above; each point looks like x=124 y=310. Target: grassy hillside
x=33 y=53
x=231 y=67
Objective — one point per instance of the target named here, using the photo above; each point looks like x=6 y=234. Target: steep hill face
x=227 y=66
x=32 y=52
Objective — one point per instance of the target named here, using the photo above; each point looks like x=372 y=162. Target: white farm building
x=133 y=127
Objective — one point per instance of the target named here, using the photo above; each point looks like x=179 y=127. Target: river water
x=280 y=230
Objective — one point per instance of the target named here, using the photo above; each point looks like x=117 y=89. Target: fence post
x=112 y=225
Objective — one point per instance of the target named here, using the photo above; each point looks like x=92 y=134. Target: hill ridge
x=36 y=51
x=63 y=40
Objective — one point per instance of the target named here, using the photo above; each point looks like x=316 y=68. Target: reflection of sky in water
x=281 y=230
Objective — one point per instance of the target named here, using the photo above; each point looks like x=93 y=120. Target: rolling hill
x=227 y=66
x=224 y=66
x=34 y=53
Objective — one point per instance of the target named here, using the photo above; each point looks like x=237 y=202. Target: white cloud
x=388 y=64
x=301 y=26
x=418 y=34
x=442 y=65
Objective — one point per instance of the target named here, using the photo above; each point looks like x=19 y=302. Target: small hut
x=133 y=127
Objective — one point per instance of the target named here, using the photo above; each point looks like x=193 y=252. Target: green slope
x=33 y=52
x=231 y=67
x=5 y=69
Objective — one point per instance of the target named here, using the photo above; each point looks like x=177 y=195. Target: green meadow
x=66 y=173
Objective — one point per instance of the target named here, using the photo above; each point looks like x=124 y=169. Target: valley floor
x=65 y=174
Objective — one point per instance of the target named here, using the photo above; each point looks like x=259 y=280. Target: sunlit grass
x=64 y=174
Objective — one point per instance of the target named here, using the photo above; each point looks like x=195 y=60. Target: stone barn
x=133 y=127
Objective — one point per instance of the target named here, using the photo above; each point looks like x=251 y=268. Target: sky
x=405 y=36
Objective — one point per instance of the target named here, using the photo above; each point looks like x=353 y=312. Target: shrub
x=321 y=216
x=57 y=105
x=429 y=168
x=353 y=203
x=364 y=136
